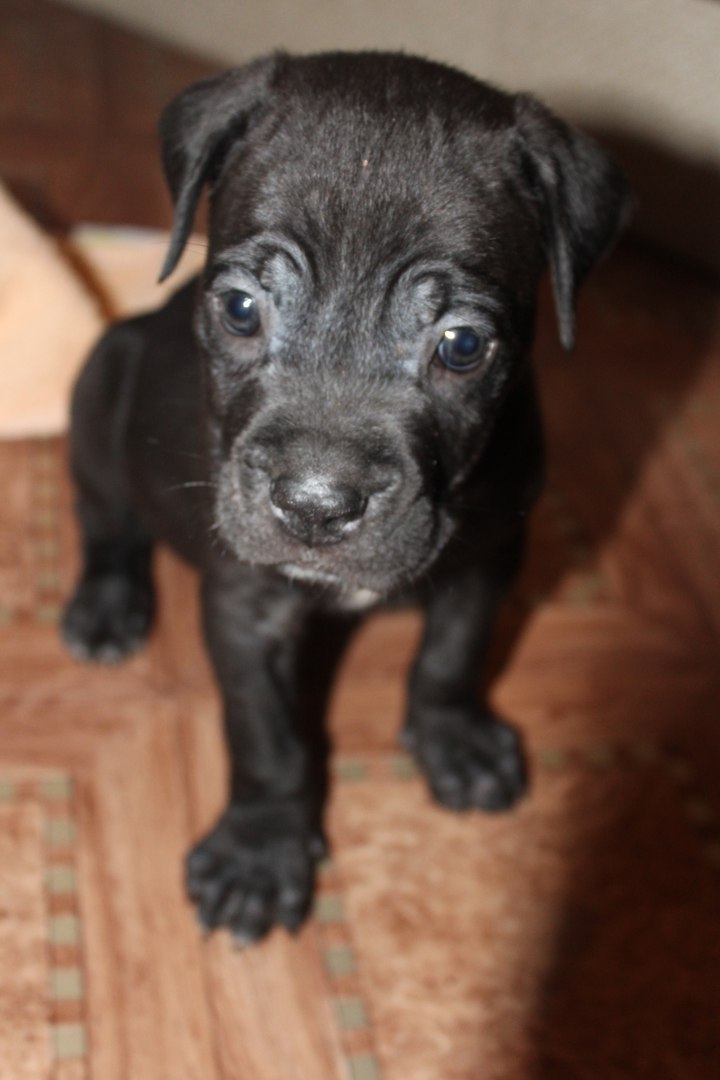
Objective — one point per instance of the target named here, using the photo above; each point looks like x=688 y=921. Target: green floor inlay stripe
x=47 y=549
x=46 y=490
x=601 y=755
x=64 y=930
x=61 y=879
x=47 y=613
x=329 y=909
x=404 y=767
x=586 y=590
x=7 y=790
x=364 y=1067
x=340 y=960
x=646 y=753
x=552 y=757
x=351 y=1014
x=66 y=984
x=46 y=516
x=60 y=832
x=69 y=1041
x=351 y=769
x=49 y=579
x=56 y=787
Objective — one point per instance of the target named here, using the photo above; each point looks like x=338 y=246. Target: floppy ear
x=196 y=130
x=582 y=197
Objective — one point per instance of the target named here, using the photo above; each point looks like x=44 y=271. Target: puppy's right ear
x=196 y=130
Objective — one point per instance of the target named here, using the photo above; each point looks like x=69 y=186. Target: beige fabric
x=124 y=265
x=54 y=302
x=47 y=321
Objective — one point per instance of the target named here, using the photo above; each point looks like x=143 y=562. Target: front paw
x=470 y=758
x=109 y=616
x=255 y=869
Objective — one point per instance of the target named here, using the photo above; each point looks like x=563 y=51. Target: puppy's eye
x=239 y=313
x=462 y=349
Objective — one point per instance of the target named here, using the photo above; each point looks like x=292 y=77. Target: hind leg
x=111 y=611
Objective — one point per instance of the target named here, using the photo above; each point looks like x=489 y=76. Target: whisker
x=191 y=484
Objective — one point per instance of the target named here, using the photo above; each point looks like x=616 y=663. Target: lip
x=312 y=577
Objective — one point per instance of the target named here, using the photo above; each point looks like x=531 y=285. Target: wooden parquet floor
x=574 y=938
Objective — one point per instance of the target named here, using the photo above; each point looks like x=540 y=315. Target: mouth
x=382 y=559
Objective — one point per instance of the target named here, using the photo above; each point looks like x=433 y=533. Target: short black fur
x=368 y=205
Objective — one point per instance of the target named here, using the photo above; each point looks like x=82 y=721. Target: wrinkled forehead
x=353 y=193
x=408 y=292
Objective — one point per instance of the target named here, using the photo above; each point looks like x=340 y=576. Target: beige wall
x=644 y=73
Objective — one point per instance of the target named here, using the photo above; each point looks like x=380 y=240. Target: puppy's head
x=378 y=228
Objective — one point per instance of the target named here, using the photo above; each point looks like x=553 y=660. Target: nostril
x=316 y=505
x=341 y=504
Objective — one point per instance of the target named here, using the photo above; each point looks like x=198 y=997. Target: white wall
x=645 y=72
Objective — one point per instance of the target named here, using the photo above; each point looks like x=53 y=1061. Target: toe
x=253 y=917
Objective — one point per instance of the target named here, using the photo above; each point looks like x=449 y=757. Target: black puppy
x=339 y=412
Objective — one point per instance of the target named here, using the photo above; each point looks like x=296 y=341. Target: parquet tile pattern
x=575 y=938
x=41 y=940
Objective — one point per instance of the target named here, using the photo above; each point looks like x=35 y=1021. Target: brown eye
x=462 y=348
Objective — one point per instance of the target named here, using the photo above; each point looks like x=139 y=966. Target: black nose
x=316 y=509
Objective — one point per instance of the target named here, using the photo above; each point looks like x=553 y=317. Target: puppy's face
x=375 y=247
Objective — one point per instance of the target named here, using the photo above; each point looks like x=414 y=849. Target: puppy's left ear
x=582 y=197
x=196 y=130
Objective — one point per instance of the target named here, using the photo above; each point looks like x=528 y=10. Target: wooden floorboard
x=574 y=938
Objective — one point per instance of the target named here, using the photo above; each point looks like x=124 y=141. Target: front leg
x=469 y=756
x=255 y=868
